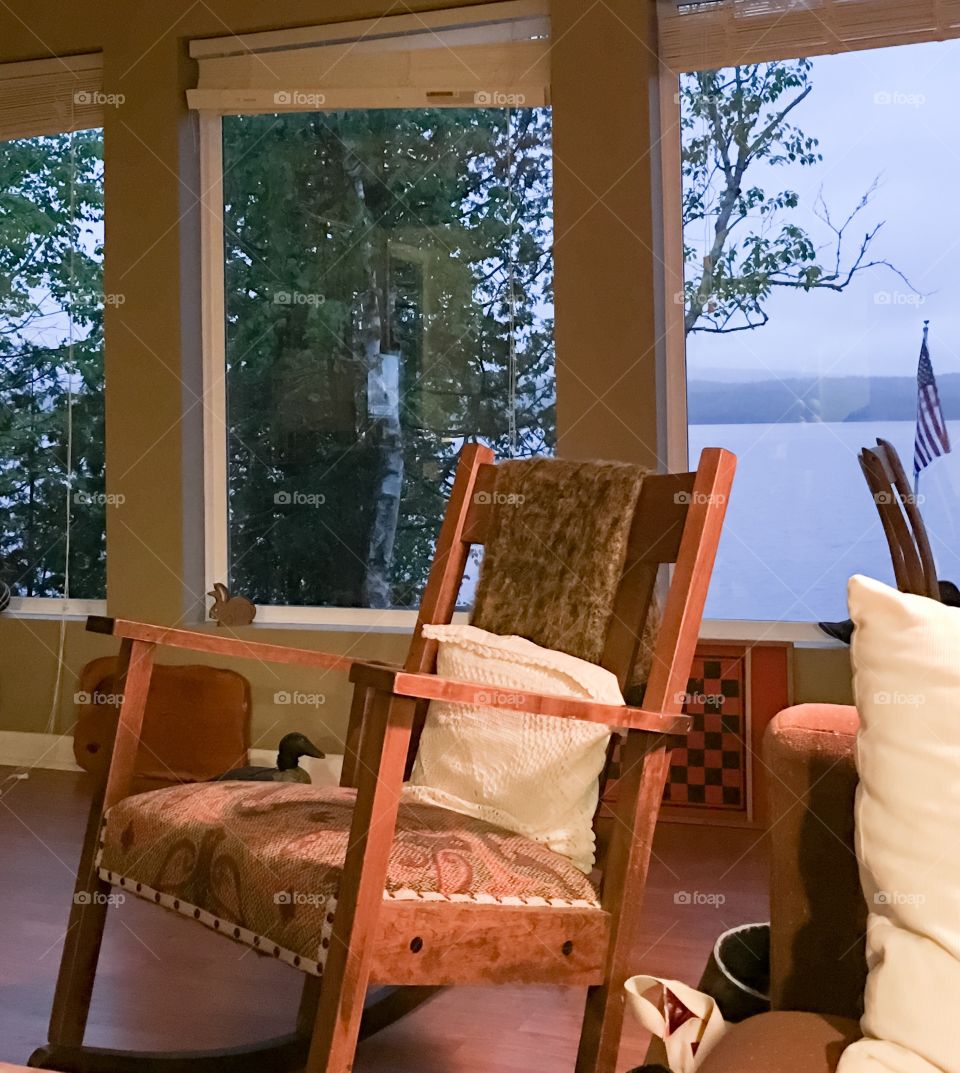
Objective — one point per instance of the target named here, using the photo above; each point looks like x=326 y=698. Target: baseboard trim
x=22 y=749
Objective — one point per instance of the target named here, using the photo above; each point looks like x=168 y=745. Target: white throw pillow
x=533 y=774
x=906 y=667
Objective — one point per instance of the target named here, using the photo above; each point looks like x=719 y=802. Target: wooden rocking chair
x=423 y=944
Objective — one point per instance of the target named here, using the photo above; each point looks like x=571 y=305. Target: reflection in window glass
x=52 y=501
x=388 y=295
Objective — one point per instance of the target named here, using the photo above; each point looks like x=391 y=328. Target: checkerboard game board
x=709 y=768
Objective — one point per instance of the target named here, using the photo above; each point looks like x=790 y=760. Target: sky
x=888 y=113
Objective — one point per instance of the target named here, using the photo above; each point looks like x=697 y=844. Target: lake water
x=801 y=520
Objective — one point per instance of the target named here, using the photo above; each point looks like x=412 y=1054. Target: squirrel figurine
x=230 y=610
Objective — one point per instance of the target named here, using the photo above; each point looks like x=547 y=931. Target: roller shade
x=489 y=55
x=51 y=96
x=723 y=33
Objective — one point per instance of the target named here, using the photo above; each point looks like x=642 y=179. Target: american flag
x=932 y=439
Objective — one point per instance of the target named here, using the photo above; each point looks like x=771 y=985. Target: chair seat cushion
x=782 y=1042
x=262 y=863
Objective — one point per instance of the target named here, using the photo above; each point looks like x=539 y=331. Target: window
x=52 y=494
x=386 y=279
x=807 y=278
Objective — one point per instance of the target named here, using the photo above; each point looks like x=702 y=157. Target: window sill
x=341 y=619
x=36 y=607
x=366 y=620
x=801 y=634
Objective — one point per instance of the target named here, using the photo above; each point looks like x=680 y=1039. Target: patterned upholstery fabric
x=262 y=863
x=555 y=552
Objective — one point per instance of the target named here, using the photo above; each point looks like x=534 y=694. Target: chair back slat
x=660 y=514
x=894 y=468
x=449 y=558
x=630 y=611
x=660 y=518
x=623 y=846
x=900 y=517
x=706 y=508
x=480 y=510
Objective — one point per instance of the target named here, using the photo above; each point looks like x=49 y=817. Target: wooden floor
x=166 y=982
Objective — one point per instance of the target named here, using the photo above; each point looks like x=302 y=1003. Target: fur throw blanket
x=555 y=554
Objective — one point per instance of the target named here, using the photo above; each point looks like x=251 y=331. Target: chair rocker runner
x=586 y=936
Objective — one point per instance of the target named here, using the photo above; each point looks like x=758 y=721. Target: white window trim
x=54 y=607
x=673 y=272
x=216 y=555
x=805 y=634
x=757 y=631
x=216 y=509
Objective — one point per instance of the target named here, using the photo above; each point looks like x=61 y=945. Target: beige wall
x=603 y=74
x=822 y=674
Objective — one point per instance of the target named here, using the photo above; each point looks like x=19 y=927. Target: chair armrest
x=402 y=683
x=215 y=644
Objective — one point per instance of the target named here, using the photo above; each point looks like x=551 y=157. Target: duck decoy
x=291 y=748
x=230 y=610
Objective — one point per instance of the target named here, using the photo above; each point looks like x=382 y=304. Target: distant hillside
x=840 y=398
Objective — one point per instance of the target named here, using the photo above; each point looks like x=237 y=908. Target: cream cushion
x=533 y=774
x=906 y=669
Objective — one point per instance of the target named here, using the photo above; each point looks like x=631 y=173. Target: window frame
x=759 y=46
x=806 y=634
x=44 y=98
x=55 y=607
x=215 y=452
x=211 y=106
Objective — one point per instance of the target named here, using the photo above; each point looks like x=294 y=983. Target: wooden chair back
x=913 y=565
x=677 y=520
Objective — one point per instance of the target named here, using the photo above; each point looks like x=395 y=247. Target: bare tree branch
x=729 y=281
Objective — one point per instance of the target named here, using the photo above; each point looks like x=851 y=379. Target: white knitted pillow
x=533 y=774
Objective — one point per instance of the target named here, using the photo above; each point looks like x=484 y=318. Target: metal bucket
x=737 y=975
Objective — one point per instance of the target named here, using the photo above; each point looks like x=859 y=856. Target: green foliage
x=51 y=364
x=422 y=233
x=735 y=127
x=353 y=234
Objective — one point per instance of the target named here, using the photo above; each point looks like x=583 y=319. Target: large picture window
x=52 y=495
x=379 y=291
x=387 y=295
x=817 y=240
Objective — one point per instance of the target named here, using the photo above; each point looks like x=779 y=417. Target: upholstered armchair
x=817 y=910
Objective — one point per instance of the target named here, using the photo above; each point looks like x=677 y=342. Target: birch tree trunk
x=384 y=433
x=383 y=409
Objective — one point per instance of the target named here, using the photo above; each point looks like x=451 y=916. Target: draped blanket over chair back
x=554 y=554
